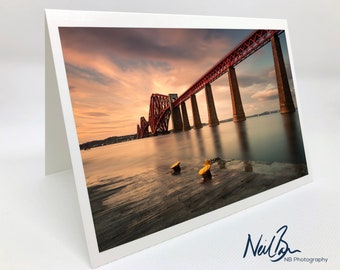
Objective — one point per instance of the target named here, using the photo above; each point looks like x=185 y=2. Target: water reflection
x=199 y=146
x=293 y=136
x=191 y=144
x=216 y=138
x=242 y=134
x=267 y=138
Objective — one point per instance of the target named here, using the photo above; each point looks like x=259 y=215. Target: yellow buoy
x=204 y=169
x=176 y=168
x=175 y=164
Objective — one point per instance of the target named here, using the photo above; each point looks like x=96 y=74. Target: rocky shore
x=125 y=209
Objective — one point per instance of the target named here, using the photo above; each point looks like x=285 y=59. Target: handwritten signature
x=276 y=250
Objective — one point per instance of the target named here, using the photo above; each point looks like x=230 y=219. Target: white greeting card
x=169 y=122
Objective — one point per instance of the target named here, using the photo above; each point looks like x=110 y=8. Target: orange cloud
x=112 y=73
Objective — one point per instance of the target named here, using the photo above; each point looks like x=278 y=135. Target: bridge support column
x=138 y=135
x=212 y=116
x=238 y=113
x=186 y=124
x=195 y=112
x=285 y=96
x=177 y=123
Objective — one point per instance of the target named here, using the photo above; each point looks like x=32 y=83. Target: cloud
x=87 y=74
x=271 y=73
x=249 y=80
x=112 y=73
x=264 y=95
x=97 y=114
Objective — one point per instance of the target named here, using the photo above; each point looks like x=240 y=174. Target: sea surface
x=269 y=138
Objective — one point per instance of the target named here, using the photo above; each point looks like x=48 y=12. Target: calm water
x=267 y=138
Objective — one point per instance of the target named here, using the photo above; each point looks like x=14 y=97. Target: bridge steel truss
x=143 y=128
x=159 y=113
x=247 y=47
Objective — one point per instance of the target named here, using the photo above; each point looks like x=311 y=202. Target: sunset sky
x=112 y=73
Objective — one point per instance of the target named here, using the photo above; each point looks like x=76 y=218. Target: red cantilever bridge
x=162 y=106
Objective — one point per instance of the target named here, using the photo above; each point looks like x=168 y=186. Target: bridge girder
x=143 y=128
x=247 y=47
x=159 y=112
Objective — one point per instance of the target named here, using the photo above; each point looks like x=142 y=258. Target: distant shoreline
x=130 y=137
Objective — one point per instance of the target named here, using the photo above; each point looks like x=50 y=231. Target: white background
x=40 y=224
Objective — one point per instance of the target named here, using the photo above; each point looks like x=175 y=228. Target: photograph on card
x=174 y=123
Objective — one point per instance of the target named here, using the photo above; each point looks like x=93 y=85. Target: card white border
x=68 y=18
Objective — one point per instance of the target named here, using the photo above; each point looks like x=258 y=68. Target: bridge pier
x=159 y=104
x=195 y=112
x=212 y=116
x=186 y=124
x=238 y=112
x=177 y=123
x=138 y=135
x=285 y=96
